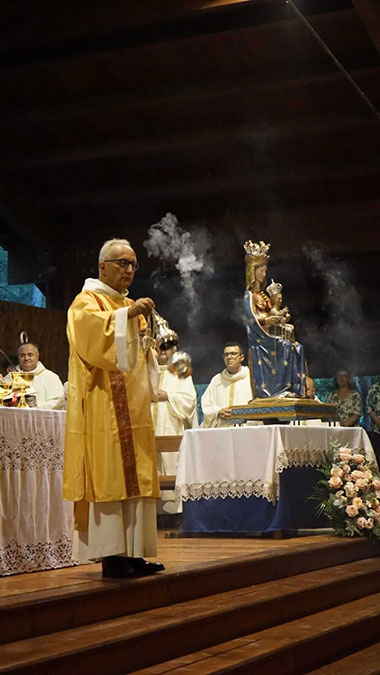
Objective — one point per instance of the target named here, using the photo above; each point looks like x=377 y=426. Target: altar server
x=173 y=412
x=110 y=455
x=230 y=387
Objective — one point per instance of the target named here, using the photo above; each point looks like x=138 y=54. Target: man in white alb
x=46 y=386
x=230 y=387
x=175 y=411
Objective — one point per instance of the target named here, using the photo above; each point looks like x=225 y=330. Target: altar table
x=256 y=479
x=36 y=524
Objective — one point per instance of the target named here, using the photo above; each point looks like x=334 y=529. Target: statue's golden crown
x=256 y=254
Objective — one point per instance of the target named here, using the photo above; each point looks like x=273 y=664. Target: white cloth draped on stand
x=247 y=461
x=36 y=524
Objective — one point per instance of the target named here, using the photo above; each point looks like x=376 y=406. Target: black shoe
x=143 y=567
x=117 y=567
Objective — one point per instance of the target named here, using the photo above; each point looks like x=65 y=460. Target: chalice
x=5 y=388
x=20 y=382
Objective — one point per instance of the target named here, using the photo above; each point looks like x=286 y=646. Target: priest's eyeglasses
x=122 y=262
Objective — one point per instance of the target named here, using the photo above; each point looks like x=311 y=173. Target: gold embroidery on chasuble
x=119 y=396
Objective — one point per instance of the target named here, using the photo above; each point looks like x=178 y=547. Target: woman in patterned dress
x=347 y=399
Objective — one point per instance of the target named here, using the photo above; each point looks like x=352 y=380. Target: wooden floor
x=178 y=554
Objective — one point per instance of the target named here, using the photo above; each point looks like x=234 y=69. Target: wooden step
x=157 y=635
x=295 y=648
x=32 y=614
x=364 y=662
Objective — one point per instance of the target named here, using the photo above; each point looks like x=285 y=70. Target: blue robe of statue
x=277 y=365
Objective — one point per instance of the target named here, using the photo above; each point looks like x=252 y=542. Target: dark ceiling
x=232 y=115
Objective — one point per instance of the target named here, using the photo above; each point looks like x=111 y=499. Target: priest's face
x=233 y=358
x=310 y=388
x=28 y=357
x=117 y=274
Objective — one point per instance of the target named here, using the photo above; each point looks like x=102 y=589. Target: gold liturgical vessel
x=20 y=383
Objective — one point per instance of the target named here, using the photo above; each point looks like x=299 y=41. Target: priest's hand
x=224 y=413
x=142 y=306
x=162 y=395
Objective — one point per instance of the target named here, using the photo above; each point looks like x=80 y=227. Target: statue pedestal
x=283 y=408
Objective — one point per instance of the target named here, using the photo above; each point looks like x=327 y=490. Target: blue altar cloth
x=245 y=515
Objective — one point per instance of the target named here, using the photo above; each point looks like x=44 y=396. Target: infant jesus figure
x=283 y=328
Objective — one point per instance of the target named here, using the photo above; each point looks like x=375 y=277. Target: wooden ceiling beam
x=226 y=184
x=123 y=101
x=209 y=20
x=275 y=102
x=369 y=12
x=252 y=151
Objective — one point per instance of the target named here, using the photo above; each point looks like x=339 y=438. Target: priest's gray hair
x=103 y=253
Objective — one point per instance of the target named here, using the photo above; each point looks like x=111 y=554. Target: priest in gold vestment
x=110 y=456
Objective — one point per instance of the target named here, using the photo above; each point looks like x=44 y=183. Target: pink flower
x=357 y=502
x=361 y=484
x=346 y=468
x=339 y=493
x=345 y=454
x=369 y=523
x=335 y=482
x=361 y=522
x=358 y=475
x=358 y=459
x=376 y=484
x=351 y=511
x=336 y=471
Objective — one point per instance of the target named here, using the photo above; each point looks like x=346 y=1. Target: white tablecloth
x=36 y=524
x=247 y=461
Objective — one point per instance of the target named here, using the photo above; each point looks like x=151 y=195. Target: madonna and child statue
x=276 y=360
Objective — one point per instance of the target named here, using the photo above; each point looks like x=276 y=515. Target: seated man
x=175 y=411
x=310 y=394
x=310 y=389
x=230 y=387
x=46 y=385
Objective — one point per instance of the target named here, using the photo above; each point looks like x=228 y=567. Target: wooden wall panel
x=46 y=327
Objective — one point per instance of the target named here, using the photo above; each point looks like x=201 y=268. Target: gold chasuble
x=110 y=452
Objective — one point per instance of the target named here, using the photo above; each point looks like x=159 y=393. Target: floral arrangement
x=349 y=493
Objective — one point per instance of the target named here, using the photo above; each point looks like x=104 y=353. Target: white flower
x=349 y=489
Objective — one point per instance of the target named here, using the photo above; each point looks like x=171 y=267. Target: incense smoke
x=344 y=337
x=189 y=253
